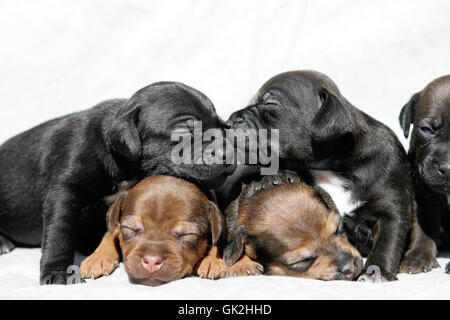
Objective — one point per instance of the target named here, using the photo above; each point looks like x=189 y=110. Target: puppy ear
x=407 y=114
x=217 y=222
x=114 y=211
x=333 y=120
x=235 y=248
x=123 y=138
x=326 y=198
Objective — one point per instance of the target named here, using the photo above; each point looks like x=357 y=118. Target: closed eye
x=129 y=233
x=184 y=235
x=302 y=265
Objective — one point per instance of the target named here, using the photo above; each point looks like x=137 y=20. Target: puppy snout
x=236 y=120
x=152 y=263
x=443 y=170
x=349 y=267
x=240 y=119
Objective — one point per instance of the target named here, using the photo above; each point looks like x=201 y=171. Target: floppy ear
x=333 y=120
x=235 y=247
x=114 y=211
x=407 y=114
x=326 y=198
x=217 y=222
x=123 y=138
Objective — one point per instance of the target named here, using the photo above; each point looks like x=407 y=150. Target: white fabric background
x=62 y=56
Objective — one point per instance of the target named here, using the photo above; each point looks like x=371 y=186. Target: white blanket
x=19 y=279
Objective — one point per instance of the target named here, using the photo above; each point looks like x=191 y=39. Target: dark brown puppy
x=429 y=111
x=164 y=226
x=291 y=229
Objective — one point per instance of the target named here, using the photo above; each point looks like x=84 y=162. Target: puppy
x=61 y=174
x=164 y=227
x=291 y=229
x=345 y=150
x=429 y=152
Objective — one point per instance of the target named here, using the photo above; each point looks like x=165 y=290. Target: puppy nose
x=444 y=170
x=348 y=267
x=152 y=263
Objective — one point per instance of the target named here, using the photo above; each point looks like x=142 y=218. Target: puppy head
x=429 y=111
x=303 y=106
x=294 y=230
x=165 y=226
x=140 y=137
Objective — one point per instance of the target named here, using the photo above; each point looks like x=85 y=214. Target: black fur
x=319 y=129
x=429 y=153
x=56 y=175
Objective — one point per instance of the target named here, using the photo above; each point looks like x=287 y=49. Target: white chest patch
x=335 y=186
x=121 y=187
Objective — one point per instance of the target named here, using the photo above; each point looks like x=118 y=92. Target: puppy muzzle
x=349 y=267
x=436 y=176
x=247 y=118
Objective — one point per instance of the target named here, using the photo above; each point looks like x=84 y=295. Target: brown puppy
x=291 y=229
x=163 y=226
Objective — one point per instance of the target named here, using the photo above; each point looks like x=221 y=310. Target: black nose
x=348 y=266
x=347 y=269
x=443 y=170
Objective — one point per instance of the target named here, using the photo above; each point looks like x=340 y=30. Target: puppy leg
x=421 y=254
x=447 y=268
x=390 y=233
x=104 y=260
x=61 y=213
x=212 y=266
x=5 y=245
x=245 y=267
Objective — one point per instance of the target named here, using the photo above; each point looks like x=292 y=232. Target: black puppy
x=59 y=177
x=429 y=111
x=350 y=151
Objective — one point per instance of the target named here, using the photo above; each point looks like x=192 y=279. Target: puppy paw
x=98 y=264
x=447 y=268
x=245 y=267
x=212 y=268
x=5 y=245
x=374 y=274
x=418 y=261
x=59 y=277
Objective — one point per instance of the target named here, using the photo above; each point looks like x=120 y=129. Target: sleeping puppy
x=163 y=227
x=429 y=152
x=348 y=151
x=291 y=229
x=62 y=174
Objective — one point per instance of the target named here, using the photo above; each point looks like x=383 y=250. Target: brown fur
x=162 y=217
x=291 y=229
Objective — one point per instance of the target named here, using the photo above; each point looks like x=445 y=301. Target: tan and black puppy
x=164 y=226
x=289 y=228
